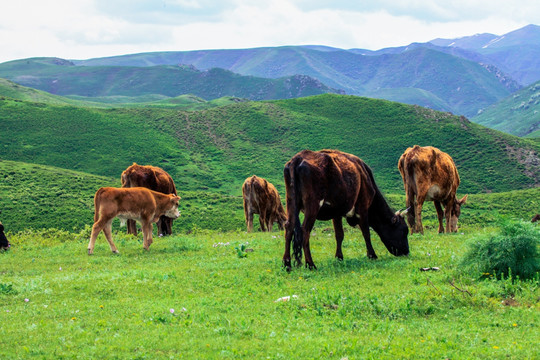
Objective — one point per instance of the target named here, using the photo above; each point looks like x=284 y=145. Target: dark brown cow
x=261 y=197
x=153 y=178
x=536 y=218
x=138 y=203
x=330 y=185
x=4 y=243
x=430 y=174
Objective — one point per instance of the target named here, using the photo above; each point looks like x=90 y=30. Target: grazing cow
x=430 y=174
x=136 y=203
x=536 y=218
x=153 y=178
x=4 y=243
x=261 y=197
x=330 y=185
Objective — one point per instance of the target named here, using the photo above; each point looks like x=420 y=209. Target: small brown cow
x=536 y=218
x=430 y=174
x=153 y=178
x=138 y=203
x=261 y=197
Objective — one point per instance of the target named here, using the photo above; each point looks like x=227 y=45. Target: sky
x=84 y=29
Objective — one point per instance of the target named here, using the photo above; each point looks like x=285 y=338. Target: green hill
x=518 y=114
x=216 y=149
x=62 y=77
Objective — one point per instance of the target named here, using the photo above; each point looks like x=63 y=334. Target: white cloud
x=94 y=28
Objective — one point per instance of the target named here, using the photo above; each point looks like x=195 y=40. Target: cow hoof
x=311 y=266
x=116 y=252
x=372 y=256
x=90 y=252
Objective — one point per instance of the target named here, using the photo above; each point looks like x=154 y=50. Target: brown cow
x=430 y=174
x=136 y=203
x=536 y=218
x=153 y=178
x=261 y=197
x=330 y=185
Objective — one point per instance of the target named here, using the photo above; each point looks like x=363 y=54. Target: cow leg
x=411 y=204
x=160 y=226
x=338 y=229
x=168 y=224
x=307 y=226
x=249 y=221
x=262 y=221
x=364 y=227
x=419 y=228
x=147 y=234
x=289 y=230
x=107 y=230
x=96 y=229
x=269 y=224
x=131 y=227
x=448 y=213
x=439 y=215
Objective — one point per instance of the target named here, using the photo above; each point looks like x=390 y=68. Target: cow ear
x=463 y=200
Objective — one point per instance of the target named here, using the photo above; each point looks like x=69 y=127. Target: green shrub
x=512 y=251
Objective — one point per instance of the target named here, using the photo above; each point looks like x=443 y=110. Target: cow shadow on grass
x=360 y=265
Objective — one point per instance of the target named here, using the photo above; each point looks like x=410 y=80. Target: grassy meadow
x=200 y=295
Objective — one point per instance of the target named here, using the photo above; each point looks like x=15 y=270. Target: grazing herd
x=324 y=185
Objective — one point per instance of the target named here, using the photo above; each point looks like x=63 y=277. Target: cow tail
x=411 y=189
x=293 y=211
x=97 y=198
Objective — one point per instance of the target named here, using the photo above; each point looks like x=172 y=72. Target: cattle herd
x=324 y=185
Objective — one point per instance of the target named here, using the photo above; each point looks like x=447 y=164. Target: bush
x=512 y=251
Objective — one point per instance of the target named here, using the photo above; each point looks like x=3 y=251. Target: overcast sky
x=83 y=29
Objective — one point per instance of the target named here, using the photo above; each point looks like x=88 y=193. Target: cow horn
x=403 y=212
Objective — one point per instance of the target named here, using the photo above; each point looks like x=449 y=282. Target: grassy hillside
x=217 y=149
x=518 y=114
x=63 y=78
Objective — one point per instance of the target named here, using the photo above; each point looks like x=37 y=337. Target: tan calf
x=138 y=203
x=430 y=174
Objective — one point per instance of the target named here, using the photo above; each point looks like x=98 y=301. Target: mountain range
x=464 y=76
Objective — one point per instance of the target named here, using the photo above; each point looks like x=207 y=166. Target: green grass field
x=194 y=296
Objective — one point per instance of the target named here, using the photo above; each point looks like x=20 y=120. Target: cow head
x=172 y=210
x=4 y=243
x=455 y=212
x=394 y=236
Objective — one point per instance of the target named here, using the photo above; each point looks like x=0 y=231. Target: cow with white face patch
x=430 y=175
x=138 y=203
x=331 y=185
